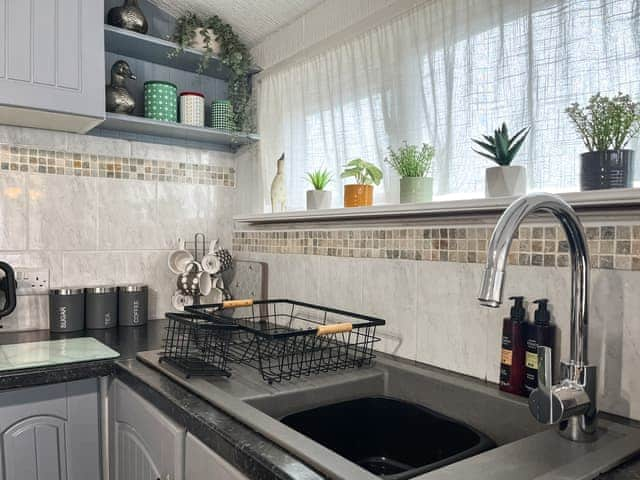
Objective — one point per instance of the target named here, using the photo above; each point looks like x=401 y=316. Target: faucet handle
x=545 y=369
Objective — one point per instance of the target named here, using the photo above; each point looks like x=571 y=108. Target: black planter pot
x=608 y=169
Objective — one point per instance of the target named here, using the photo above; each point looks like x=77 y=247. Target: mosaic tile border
x=610 y=247
x=20 y=158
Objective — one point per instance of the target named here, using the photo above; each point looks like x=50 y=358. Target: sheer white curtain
x=446 y=71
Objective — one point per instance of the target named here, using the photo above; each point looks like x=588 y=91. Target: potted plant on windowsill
x=505 y=180
x=606 y=126
x=413 y=165
x=366 y=176
x=319 y=198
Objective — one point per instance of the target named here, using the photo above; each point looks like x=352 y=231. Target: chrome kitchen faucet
x=572 y=402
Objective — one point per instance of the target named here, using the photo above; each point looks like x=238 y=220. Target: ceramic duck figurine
x=128 y=16
x=119 y=99
x=279 y=189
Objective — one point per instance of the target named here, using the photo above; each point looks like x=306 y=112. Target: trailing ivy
x=234 y=55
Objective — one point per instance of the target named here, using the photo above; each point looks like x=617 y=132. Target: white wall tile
x=32 y=136
x=184 y=210
x=13 y=211
x=128 y=216
x=154 y=151
x=62 y=212
x=98 y=145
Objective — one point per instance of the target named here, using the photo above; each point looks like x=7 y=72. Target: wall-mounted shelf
x=156 y=50
x=167 y=132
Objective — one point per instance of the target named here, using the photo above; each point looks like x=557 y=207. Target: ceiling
x=252 y=20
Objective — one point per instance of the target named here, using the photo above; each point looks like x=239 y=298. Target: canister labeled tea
x=101 y=307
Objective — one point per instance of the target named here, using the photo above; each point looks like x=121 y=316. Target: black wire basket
x=197 y=346
x=286 y=339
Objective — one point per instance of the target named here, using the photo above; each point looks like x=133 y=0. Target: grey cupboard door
x=52 y=55
x=34 y=449
x=202 y=463
x=145 y=443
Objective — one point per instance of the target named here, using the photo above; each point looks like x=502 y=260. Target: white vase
x=199 y=44
x=318 y=199
x=508 y=181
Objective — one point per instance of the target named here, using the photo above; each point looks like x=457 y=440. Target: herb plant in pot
x=413 y=164
x=366 y=175
x=319 y=198
x=606 y=125
x=505 y=180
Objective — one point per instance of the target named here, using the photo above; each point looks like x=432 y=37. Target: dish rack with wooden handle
x=286 y=339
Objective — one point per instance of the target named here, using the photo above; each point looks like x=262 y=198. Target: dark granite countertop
x=250 y=452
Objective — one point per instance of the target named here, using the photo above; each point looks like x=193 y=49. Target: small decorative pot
x=199 y=44
x=416 y=189
x=192 y=109
x=508 y=181
x=222 y=115
x=318 y=199
x=358 y=195
x=608 y=169
x=161 y=101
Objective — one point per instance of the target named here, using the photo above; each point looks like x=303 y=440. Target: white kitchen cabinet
x=202 y=463
x=52 y=64
x=50 y=432
x=145 y=443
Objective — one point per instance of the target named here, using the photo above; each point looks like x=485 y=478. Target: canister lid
x=160 y=82
x=66 y=291
x=102 y=289
x=197 y=94
x=136 y=287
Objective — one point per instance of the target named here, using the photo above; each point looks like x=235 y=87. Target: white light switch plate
x=32 y=281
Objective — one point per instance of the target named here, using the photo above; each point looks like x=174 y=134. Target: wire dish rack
x=284 y=339
x=197 y=346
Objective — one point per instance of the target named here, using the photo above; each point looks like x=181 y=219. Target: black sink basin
x=391 y=438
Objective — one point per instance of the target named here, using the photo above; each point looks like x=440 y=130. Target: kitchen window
x=442 y=73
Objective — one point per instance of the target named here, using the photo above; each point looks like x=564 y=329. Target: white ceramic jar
x=192 y=109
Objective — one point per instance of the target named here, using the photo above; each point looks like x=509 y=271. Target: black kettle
x=7 y=289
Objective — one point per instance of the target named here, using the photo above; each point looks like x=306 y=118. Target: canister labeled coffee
x=133 y=305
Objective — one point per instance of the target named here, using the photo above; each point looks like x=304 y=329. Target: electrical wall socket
x=32 y=281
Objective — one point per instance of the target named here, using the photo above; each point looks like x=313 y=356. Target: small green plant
x=319 y=178
x=606 y=123
x=234 y=55
x=500 y=148
x=365 y=173
x=409 y=161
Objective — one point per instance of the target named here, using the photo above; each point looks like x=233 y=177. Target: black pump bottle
x=542 y=333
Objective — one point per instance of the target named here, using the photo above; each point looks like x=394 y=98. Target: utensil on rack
x=179 y=258
x=194 y=281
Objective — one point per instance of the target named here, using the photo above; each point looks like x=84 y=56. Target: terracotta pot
x=358 y=195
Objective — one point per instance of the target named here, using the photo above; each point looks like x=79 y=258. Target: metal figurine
x=119 y=99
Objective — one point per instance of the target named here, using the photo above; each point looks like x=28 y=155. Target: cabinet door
x=52 y=56
x=146 y=444
x=50 y=432
x=202 y=463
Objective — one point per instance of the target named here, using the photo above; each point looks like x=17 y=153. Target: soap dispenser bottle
x=513 y=349
x=539 y=333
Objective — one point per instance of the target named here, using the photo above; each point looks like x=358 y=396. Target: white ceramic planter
x=508 y=181
x=198 y=42
x=416 y=189
x=318 y=199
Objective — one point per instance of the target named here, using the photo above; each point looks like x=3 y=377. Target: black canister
x=133 y=305
x=66 y=309
x=101 y=307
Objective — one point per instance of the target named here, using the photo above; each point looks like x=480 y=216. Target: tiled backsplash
x=610 y=247
x=25 y=158
x=105 y=211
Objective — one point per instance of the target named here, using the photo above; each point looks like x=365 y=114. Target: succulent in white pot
x=318 y=198
x=505 y=180
x=413 y=164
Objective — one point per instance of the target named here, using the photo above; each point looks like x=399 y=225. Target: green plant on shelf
x=499 y=148
x=364 y=173
x=410 y=160
x=319 y=179
x=606 y=123
x=234 y=54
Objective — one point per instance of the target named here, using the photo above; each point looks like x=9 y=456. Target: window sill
x=590 y=205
